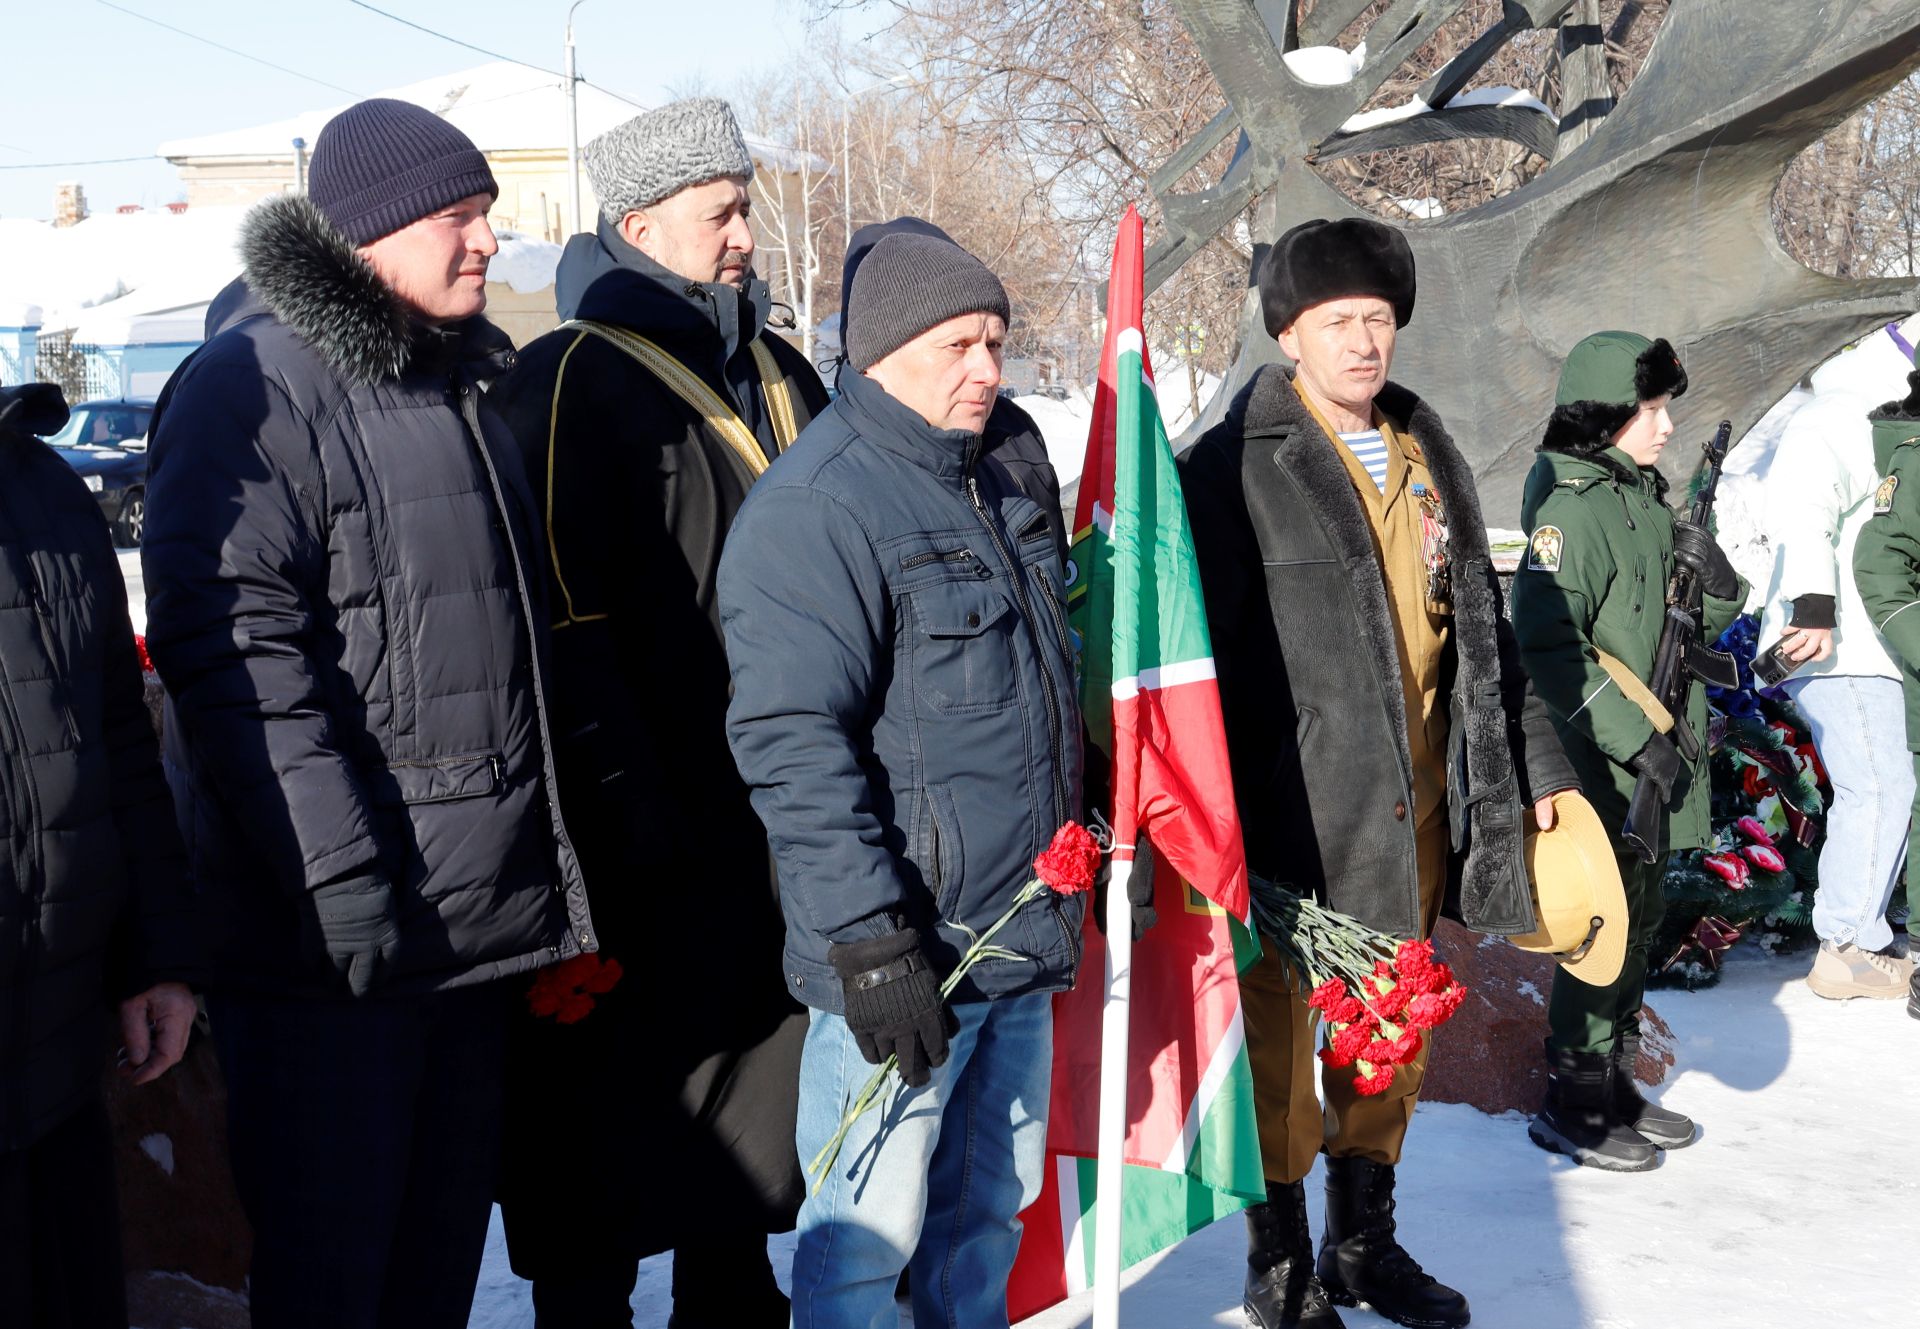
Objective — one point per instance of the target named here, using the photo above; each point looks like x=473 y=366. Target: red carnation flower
x=1430 y=1010
x=1375 y=1083
x=1765 y=857
x=566 y=990
x=1069 y=864
x=1752 y=828
x=1388 y=999
x=1347 y=1044
x=1349 y=1010
x=1327 y=995
x=1754 y=783
x=140 y=648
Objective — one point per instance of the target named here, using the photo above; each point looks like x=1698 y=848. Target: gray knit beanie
x=660 y=152
x=909 y=283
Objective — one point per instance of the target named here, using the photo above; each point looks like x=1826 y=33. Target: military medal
x=1433 y=546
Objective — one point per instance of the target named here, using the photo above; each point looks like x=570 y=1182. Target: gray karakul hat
x=660 y=152
x=908 y=283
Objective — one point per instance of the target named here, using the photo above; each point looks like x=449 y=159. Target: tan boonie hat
x=1577 y=896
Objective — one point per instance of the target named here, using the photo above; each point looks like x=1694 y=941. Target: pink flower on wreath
x=1730 y=868
x=1765 y=857
x=1752 y=828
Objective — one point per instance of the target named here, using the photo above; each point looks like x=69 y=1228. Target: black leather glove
x=359 y=929
x=1694 y=548
x=893 y=1002
x=1139 y=889
x=1659 y=761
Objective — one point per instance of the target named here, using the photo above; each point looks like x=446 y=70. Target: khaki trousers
x=1282 y=1042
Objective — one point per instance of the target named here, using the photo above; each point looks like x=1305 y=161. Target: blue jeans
x=1859 y=725
x=930 y=1179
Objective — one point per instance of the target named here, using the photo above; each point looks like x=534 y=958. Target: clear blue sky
x=85 y=81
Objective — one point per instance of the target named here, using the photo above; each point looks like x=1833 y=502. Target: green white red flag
x=1148 y=692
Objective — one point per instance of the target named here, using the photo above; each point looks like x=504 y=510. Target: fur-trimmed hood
x=301 y=270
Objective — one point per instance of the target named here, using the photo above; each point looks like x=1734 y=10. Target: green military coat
x=1886 y=557
x=1594 y=578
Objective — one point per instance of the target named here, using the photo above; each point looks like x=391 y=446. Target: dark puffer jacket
x=346 y=606
x=94 y=902
x=903 y=706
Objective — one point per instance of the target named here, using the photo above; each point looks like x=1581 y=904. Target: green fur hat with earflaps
x=1602 y=384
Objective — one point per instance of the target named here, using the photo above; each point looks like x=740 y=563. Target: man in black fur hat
x=345 y=605
x=1385 y=744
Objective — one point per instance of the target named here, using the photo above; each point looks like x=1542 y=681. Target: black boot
x=1577 y=1118
x=1663 y=1129
x=1282 y=1292
x=1362 y=1260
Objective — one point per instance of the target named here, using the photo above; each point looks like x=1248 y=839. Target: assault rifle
x=1680 y=659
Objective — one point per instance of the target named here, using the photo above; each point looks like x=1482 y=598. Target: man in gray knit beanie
x=904 y=712
x=932 y=329
x=672 y=182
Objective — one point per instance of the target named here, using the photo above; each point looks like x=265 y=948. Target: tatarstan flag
x=1148 y=692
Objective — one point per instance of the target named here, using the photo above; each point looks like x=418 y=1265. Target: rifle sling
x=1634 y=690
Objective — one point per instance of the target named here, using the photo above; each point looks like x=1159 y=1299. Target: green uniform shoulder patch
x=1883 y=496
x=1544 y=549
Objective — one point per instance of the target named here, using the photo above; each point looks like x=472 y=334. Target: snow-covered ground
x=1799 y=1208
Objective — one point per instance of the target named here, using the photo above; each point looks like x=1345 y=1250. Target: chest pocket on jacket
x=963 y=651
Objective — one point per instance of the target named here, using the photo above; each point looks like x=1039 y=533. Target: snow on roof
x=501 y=106
x=525 y=263
x=172 y=260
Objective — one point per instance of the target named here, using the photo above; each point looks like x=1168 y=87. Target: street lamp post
x=573 y=131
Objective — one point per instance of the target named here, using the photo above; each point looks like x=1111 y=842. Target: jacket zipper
x=1054 y=723
x=470 y=413
x=926 y=556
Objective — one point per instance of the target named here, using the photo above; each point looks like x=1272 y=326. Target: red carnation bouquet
x=566 y=991
x=1379 y=994
x=1067 y=866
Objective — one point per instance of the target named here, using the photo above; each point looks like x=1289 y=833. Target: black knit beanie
x=383 y=164
x=909 y=283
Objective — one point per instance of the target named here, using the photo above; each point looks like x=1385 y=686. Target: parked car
x=106 y=442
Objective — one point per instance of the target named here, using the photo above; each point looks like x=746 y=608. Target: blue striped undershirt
x=1370 y=449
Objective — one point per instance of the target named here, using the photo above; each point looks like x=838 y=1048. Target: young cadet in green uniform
x=1588 y=604
x=1886 y=569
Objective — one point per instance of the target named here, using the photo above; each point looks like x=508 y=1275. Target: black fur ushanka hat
x=1323 y=260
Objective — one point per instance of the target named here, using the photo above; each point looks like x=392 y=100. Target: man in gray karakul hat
x=682 y=1082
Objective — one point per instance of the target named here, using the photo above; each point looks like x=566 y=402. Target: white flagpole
x=1113 y=1095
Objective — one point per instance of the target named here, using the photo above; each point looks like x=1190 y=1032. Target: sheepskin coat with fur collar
x=345 y=605
x=1304 y=642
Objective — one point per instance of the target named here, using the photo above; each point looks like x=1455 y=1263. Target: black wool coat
x=345 y=604
x=1304 y=642
x=683 y=1082
x=94 y=900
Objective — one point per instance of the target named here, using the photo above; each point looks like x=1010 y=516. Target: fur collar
x=310 y=278
x=1907 y=408
x=1482 y=796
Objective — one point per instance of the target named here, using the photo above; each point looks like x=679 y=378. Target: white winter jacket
x=1819 y=494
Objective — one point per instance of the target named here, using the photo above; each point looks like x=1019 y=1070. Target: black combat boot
x=1282 y=1292
x=1362 y=1261
x=1578 y=1120
x=1662 y=1128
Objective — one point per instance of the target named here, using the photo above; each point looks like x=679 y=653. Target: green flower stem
x=981 y=949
